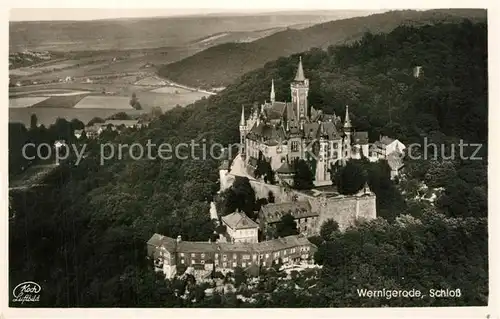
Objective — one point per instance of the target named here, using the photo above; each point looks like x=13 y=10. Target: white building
x=241 y=228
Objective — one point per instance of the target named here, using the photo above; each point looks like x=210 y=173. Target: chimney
x=179 y=239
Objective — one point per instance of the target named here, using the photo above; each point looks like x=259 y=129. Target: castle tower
x=299 y=89
x=243 y=129
x=347 y=132
x=273 y=94
x=322 y=176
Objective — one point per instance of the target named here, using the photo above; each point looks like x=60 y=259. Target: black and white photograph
x=277 y=157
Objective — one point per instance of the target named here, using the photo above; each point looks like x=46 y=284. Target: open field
x=48 y=116
x=104 y=102
x=61 y=101
x=171 y=90
x=25 y=101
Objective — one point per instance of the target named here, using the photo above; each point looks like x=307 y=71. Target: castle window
x=234 y=264
x=182 y=254
x=192 y=255
x=182 y=261
x=246 y=257
x=243 y=265
x=295 y=146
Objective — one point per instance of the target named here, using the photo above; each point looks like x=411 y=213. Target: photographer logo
x=27 y=291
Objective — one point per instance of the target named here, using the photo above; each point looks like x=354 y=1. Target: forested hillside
x=83 y=238
x=223 y=64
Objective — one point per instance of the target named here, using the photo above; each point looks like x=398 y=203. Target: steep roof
x=239 y=220
x=314 y=130
x=272 y=213
x=299 y=76
x=269 y=134
x=158 y=240
x=285 y=168
x=274 y=111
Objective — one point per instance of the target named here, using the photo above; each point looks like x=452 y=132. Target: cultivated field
x=25 y=101
x=104 y=102
x=60 y=101
x=48 y=116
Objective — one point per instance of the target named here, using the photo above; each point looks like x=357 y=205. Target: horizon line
x=202 y=12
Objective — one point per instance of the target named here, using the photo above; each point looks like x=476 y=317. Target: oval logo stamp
x=28 y=291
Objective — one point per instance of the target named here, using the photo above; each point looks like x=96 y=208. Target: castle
x=285 y=131
x=280 y=133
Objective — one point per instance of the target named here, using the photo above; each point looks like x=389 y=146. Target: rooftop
x=298 y=209
x=158 y=241
x=239 y=220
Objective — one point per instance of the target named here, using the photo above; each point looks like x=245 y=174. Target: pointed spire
x=347 y=122
x=299 y=76
x=242 y=121
x=273 y=95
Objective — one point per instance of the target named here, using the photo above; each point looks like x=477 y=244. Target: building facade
x=168 y=254
x=240 y=228
x=285 y=131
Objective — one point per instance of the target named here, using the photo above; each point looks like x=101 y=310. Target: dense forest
x=222 y=64
x=83 y=237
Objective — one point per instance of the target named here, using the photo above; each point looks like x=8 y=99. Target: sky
x=30 y=14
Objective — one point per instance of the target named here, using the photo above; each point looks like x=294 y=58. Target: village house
x=385 y=146
x=240 y=228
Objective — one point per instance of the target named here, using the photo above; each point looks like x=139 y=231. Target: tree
x=240 y=196
x=76 y=124
x=286 y=226
x=303 y=177
x=95 y=120
x=240 y=277
x=120 y=116
x=134 y=102
x=328 y=228
x=351 y=178
x=33 y=121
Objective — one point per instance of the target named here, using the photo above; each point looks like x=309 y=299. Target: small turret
x=242 y=120
x=347 y=122
x=273 y=94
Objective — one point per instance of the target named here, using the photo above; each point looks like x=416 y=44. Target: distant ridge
x=220 y=65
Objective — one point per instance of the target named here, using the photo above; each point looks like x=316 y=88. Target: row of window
x=248 y=256
x=243 y=264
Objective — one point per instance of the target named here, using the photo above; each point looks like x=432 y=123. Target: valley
x=75 y=74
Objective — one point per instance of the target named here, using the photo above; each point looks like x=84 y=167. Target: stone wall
x=343 y=209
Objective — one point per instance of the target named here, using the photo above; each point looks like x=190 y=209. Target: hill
x=124 y=34
x=221 y=65
x=84 y=237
